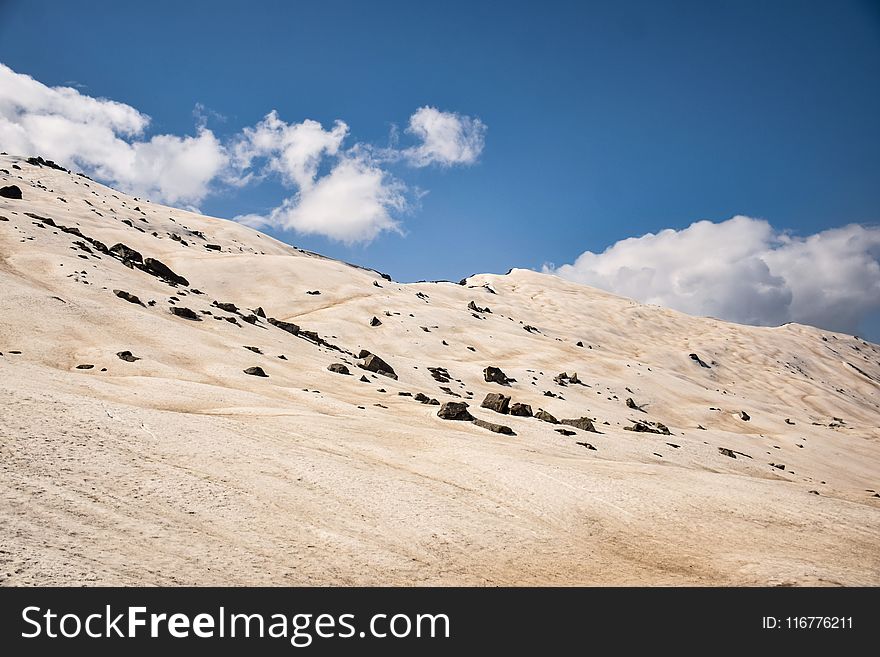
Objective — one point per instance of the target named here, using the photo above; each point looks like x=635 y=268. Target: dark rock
x=565 y=432
x=727 y=452
x=787 y=421
x=122 y=294
x=423 y=398
x=373 y=363
x=745 y=416
x=185 y=313
x=477 y=309
x=282 y=357
x=256 y=350
x=228 y=307
x=440 y=374
x=580 y=344
x=375 y=321
x=161 y=270
x=531 y=329
x=364 y=379
x=11 y=191
x=546 y=417
x=125 y=253
x=84 y=367
x=587 y=445
x=258 y=311
x=313 y=292
x=339 y=368
x=255 y=371
x=496 y=402
x=649 y=427
x=293 y=329
x=363 y=353
x=631 y=404
x=521 y=410
x=449 y=391
x=127 y=356
x=491 y=426
x=495 y=375
x=405 y=394
x=455 y=411
x=582 y=423
x=212 y=247
x=699 y=360
x=250 y=319
x=778 y=466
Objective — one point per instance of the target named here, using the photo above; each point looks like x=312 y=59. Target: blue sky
x=603 y=121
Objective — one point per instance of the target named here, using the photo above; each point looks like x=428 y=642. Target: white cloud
x=352 y=202
x=294 y=150
x=744 y=271
x=103 y=137
x=342 y=193
x=448 y=138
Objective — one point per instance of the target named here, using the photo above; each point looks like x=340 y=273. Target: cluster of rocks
x=564 y=379
x=646 y=426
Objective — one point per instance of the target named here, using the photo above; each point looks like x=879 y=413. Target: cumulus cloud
x=745 y=271
x=342 y=192
x=353 y=201
x=105 y=138
x=447 y=138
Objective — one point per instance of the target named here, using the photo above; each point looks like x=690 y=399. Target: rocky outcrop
x=185 y=313
x=127 y=296
x=582 y=423
x=11 y=191
x=293 y=329
x=161 y=270
x=128 y=255
x=372 y=363
x=477 y=309
x=127 y=356
x=491 y=426
x=521 y=410
x=649 y=427
x=497 y=402
x=455 y=411
x=339 y=368
x=544 y=416
x=256 y=371
x=495 y=375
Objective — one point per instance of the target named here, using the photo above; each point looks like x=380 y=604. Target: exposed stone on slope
x=521 y=410
x=11 y=191
x=372 y=363
x=293 y=329
x=491 y=426
x=582 y=423
x=339 y=368
x=497 y=402
x=161 y=270
x=127 y=296
x=256 y=371
x=455 y=411
x=127 y=356
x=696 y=358
x=544 y=416
x=185 y=313
x=494 y=375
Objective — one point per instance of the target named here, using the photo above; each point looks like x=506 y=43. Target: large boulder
x=495 y=375
x=125 y=253
x=256 y=371
x=497 y=402
x=546 y=417
x=161 y=270
x=491 y=426
x=521 y=410
x=185 y=313
x=372 y=363
x=12 y=191
x=582 y=423
x=293 y=329
x=455 y=411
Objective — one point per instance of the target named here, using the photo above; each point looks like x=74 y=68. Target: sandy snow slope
x=179 y=468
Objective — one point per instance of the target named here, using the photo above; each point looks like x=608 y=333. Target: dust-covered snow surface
x=188 y=401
